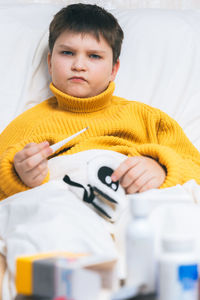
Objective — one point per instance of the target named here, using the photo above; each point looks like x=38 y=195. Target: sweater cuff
x=169 y=159
x=10 y=182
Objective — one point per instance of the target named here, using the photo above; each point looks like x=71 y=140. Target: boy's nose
x=78 y=64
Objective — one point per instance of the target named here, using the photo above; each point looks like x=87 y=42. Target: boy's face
x=80 y=65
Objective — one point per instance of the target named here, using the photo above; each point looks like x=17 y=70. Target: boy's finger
x=132 y=175
x=139 y=183
x=33 y=161
x=30 y=150
x=151 y=184
x=38 y=179
x=33 y=173
x=123 y=168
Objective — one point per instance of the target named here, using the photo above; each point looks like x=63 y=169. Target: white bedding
x=52 y=218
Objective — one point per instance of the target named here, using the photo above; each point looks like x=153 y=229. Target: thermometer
x=58 y=145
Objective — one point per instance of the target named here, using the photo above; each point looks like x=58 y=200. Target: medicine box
x=70 y=275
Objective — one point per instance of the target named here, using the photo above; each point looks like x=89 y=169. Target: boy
x=83 y=60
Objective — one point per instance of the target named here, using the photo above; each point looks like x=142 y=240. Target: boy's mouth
x=77 y=79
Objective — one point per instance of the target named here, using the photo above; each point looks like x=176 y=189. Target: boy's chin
x=80 y=93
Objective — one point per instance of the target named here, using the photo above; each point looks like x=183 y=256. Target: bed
x=160 y=66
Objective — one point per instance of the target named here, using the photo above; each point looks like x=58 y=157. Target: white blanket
x=52 y=218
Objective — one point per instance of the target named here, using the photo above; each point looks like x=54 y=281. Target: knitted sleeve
x=20 y=132
x=12 y=140
x=10 y=182
x=174 y=151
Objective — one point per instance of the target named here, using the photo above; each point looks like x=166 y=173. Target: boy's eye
x=67 y=53
x=95 y=56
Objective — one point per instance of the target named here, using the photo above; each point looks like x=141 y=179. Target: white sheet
x=51 y=217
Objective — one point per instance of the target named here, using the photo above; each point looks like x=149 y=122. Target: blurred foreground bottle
x=140 y=248
x=178 y=269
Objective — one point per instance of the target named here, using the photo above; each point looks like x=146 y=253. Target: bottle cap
x=177 y=243
x=140 y=206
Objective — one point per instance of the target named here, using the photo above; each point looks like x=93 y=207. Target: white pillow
x=160 y=61
x=22 y=28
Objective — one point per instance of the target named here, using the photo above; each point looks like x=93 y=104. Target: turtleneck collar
x=91 y=104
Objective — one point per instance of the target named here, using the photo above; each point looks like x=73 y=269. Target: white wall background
x=166 y=4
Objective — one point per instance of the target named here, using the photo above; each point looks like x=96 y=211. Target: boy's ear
x=49 y=62
x=115 y=70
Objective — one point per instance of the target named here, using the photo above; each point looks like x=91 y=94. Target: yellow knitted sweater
x=128 y=127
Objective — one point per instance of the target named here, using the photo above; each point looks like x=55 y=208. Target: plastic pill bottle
x=178 y=269
x=140 y=247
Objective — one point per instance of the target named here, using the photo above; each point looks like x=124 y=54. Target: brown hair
x=87 y=18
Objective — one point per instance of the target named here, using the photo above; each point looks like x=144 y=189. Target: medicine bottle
x=140 y=247
x=178 y=269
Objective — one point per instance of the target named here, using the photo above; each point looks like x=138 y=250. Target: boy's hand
x=139 y=173
x=31 y=163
